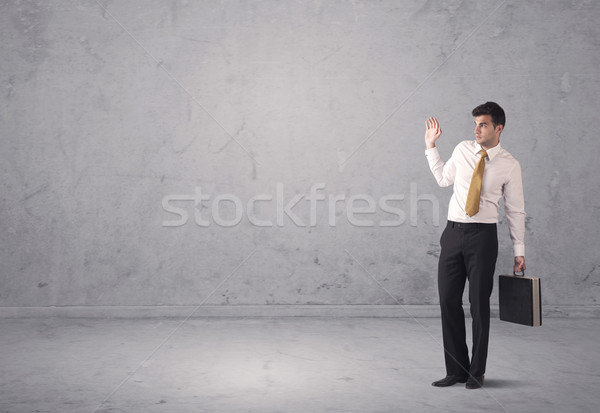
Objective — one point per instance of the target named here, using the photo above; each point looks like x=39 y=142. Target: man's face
x=485 y=133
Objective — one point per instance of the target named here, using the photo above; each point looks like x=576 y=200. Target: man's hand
x=432 y=132
x=519 y=264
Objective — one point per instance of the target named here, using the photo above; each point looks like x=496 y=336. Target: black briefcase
x=520 y=299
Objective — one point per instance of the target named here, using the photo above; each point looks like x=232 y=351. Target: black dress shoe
x=449 y=381
x=474 y=382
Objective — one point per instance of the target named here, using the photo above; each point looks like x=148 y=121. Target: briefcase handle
x=517 y=275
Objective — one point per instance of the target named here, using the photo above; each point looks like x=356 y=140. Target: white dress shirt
x=501 y=177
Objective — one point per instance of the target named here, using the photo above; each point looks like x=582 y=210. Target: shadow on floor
x=501 y=383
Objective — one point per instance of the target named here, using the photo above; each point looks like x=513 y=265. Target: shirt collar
x=492 y=152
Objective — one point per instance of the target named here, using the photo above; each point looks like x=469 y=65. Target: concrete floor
x=287 y=364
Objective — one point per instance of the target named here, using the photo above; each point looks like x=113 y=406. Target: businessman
x=481 y=172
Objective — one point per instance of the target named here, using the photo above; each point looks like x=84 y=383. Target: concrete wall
x=108 y=108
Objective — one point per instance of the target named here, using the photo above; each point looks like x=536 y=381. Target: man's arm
x=443 y=172
x=514 y=208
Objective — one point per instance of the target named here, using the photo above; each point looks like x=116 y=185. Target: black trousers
x=469 y=252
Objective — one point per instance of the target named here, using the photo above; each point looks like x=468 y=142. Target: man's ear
x=499 y=129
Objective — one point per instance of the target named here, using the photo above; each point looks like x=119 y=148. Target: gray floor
x=287 y=365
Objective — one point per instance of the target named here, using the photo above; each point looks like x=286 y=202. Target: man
x=482 y=172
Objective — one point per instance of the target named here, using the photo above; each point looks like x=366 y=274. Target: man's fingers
x=431 y=123
x=519 y=265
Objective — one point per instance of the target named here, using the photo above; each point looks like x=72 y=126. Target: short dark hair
x=494 y=110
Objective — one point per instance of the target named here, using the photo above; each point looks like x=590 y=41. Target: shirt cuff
x=519 y=250
x=432 y=152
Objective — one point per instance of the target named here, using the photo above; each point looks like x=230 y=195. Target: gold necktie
x=472 y=206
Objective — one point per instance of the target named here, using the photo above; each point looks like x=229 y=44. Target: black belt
x=466 y=225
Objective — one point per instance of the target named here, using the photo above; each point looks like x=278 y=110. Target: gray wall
x=107 y=112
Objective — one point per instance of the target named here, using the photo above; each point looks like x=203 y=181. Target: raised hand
x=432 y=132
